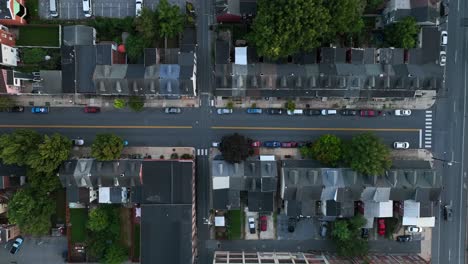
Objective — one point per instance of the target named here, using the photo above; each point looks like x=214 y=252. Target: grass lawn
x=235 y=217
x=33 y=8
x=38 y=36
x=136 y=241
x=78 y=219
x=59 y=216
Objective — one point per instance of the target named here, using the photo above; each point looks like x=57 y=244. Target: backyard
x=78 y=219
x=235 y=220
x=136 y=242
x=39 y=36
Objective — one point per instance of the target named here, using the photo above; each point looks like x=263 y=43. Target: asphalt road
x=449 y=238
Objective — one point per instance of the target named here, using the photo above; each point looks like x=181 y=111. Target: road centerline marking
x=96 y=127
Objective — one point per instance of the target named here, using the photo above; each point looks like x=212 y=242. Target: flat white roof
x=9 y=55
x=220 y=183
x=241 y=55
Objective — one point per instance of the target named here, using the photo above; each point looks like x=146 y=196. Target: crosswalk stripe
x=428 y=111
x=428 y=119
x=428 y=127
x=428 y=115
x=428 y=138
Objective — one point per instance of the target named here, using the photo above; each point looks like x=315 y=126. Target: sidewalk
x=154 y=152
x=80 y=100
x=424 y=102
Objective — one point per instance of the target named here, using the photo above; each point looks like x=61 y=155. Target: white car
x=224 y=111
x=78 y=142
x=138 y=7
x=87 y=8
x=252 y=225
x=414 y=229
x=443 y=58
x=402 y=112
x=443 y=38
x=400 y=145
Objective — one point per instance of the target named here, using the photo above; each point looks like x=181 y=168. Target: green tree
x=347 y=15
x=98 y=220
x=43 y=183
x=146 y=25
x=115 y=254
x=33 y=55
x=328 y=150
x=290 y=105
x=31 y=212
x=285 y=27
x=170 y=19
x=15 y=148
x=119 y=103
x=356 y=223
x=235 y=148
x=230 y=105
x=135 y=47
x=107 y=147
x=50 y=153
x=372 y=5
x=305 y=152
x=340 y=230
x=402 y=34
x=136 y=103
x=6 y=102
x=366 y=154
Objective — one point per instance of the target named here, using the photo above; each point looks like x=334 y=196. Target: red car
x=263 y=223
x=381 y=227
x=291 y=144
x=256 y=144
x=369 y=113
x=92 y=109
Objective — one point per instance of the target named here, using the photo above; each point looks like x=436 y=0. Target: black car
x=365 y=233
x=15 y=247
x=444 y=8
x=292 y=224
x=312 y=112
x=16 y=109
x=348 y=112
x=276 y=111
x=405 y=238
x=448 y=212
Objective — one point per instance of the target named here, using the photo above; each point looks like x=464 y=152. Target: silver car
x=401 y=145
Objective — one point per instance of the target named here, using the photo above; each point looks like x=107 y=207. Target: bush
x=290 y=105
x=230 y=105
x=136 y=103
x=119 y=103
x=174 y=156
x=186 y=156
x=161 y=157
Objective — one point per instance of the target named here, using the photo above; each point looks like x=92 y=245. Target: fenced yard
x=39 y=36
x=78 y=220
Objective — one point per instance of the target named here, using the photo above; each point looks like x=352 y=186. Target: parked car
x=302 y=144
x=87 y=8
x=369 y=113
x=256 y=144
x=224 y=111
x=138 y=7
x=404 y=238
x=312 y=112
x=78 y=142
x=443 y=38
x=172 y=110
x=448 y=212
x=442 y=58
x=92 y=109
x=348 y=112
x=16 y=109
x=252 y=225
x=364 y=233
x=271 y=144
x=295 y=112
x=292 y=224
x=400 y=145
x=323 y=229
x=444 y=8
x=40 y=109
x=263 y=223
x=414 y=229
x=215 y=144
x=402 y=112
x=328 y=112
x=276 y=111
x=254 y=111
x=381 y=227
x=290 y=144
x=15 y=247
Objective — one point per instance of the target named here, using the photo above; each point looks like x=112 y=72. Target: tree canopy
x=48 y=155
x=115 y=254
x=107 y=147
x=284 y=27
x=136 y=103
x=31 y=212
x=328 y=150
x=366 y=154
x=98 y=219
x=235 y=148
x=346 y=15
x=170 y=19
x=6 y=102
x=402 y=34
x=15 y=148
x=346 y=236
x=146 y=25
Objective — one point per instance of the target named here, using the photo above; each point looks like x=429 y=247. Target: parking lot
x=306 y=228
x=73 y=9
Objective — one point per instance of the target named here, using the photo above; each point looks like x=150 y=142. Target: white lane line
x=420 y=138
x=198 y=152
x=454 y=107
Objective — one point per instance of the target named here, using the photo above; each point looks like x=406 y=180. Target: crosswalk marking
x=428 y=129
x=202 y=152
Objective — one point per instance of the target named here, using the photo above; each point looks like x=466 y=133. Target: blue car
x=16 y=245
x=271 y=144
x=254 y=111
x=40 y=109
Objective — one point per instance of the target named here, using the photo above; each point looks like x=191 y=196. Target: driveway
x=36 y=250
x=306 y=228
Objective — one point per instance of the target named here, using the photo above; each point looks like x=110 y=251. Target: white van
x=328 y=112
x=87 y=8
x=53 y=8
x=296 y=112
